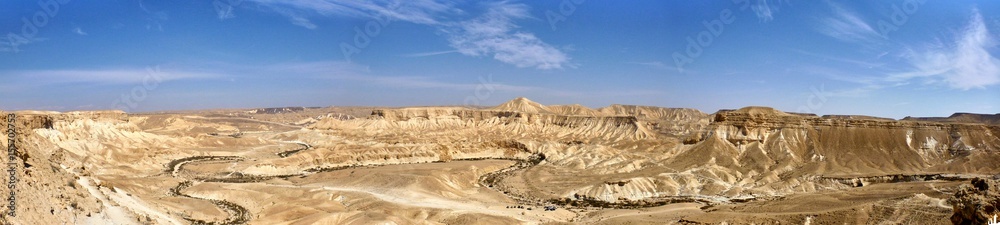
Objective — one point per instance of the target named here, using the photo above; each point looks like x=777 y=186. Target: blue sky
x=882 y=58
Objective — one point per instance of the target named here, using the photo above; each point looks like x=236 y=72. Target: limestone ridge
x=522 y=104
x=575 y=109
x=862 y=144
x=674 y=122
x=962 y=118
x=520 y=114
x=28 y=120
x=752 y=151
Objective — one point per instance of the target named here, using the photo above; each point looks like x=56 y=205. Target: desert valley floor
x=520 y=162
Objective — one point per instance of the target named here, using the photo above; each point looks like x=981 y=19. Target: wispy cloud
x=79 y=31
x=414 y=11
x=630 y=93
x=655 y=65
x=765 y=9
x=350 y=71
x=225 y=12
x=343 y=70
x=302 y=22
x=102 y=76
x=848 y=26
x=10 y=43
x=494 y=34
x=854 y=62
x=965 y=64
x=425 y=54
x=28 y=80
x=155 y=18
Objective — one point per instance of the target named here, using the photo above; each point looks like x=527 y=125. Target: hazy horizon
x=885 y=59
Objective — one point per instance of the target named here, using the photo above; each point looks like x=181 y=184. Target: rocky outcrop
x=28 y=120
x=757 y=116
x=276 y=110
x=854 y=117
x=49 y=186
x=405 y=114
x=896 y=178
x=853 y=144
x=655 y=113
x=976 y=203
x=529 y=121
x=522 y=104
x=575 y=110
x=730 y=155
x=616 y=120
x=675 y=122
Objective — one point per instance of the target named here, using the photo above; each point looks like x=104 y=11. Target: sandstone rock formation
x=433 y=165
x=977 y=202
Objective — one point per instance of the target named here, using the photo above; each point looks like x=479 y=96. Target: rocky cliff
x=576 y=110
x=759 y=151
x=675 y=122
x=976 y=203
x=49 y=184
x=507 y=118
x=822 y=145
x=522 y=104
x=44 y=119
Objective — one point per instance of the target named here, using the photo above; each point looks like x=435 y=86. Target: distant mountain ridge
x=962 y=117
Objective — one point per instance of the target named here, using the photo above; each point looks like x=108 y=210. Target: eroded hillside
x=506 y=164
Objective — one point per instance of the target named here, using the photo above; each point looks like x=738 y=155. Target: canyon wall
x=846 y=145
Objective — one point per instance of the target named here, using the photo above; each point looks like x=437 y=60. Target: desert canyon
x=520 y=162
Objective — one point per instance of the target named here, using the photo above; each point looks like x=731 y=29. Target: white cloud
x=425 y=54
x=494 y=34
x=225 y=13
x=966 y=64
x=655 y=65
x=101 y=76
x=861 y=63
x=10 y=42
x=296 y=17
x=303 y=22
x=763 y=11
x=319 y=69
x=155 y=18
x=848 y=26
x=342 y=70
x=414 y=11
x=79 y=31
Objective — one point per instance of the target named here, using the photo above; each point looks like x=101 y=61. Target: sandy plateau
x=517 y=163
